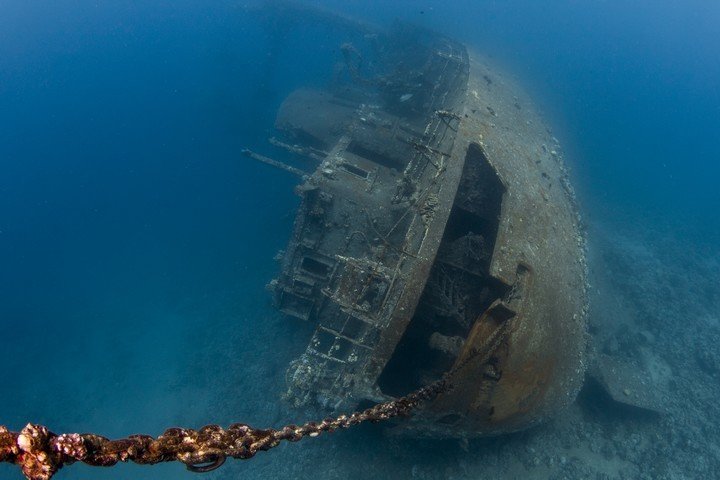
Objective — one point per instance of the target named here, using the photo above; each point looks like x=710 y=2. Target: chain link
x=40 y=453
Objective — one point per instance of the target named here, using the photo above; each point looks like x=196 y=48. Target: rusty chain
x=40 y=453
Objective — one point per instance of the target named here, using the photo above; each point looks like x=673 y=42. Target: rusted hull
x=437 y=232
x=534 y=338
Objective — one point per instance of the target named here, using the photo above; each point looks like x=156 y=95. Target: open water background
x=135 y=241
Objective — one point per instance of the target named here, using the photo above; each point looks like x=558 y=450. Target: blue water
x=135 y=241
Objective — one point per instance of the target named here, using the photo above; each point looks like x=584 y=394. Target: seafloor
x=653 y=300
x=220 y=357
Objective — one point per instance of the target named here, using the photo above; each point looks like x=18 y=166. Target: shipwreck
x=437 y=228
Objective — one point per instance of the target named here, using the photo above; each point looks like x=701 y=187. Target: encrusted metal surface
x=439 y=222
x=371 y=217
x=538 y=326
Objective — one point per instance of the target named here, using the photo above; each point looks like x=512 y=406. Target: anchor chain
x=40 y=453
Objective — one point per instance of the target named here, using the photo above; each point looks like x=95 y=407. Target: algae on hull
x=436 y=229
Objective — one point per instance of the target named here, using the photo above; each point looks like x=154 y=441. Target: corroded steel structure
x=438 y=220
